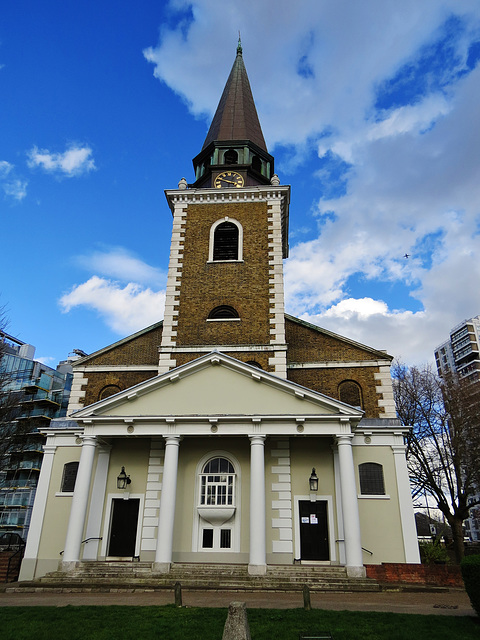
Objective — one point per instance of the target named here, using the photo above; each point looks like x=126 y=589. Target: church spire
x=235 y=139
x=236 y=116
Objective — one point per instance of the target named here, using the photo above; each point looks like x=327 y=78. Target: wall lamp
x=313 y=481
x=123 y=480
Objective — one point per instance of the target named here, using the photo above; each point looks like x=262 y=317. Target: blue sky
x=371 y=110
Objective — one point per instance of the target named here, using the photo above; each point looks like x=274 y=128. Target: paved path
x=451 y=603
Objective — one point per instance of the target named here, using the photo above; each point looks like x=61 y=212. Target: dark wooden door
x=313 y=530
x=123 y=532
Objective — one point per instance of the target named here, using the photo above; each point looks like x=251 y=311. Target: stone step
x=130 y=587
x=136 y=576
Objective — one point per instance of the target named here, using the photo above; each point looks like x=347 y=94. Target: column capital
x=89 y=440
x=344 y=438
x=257 y=439
x=175 y=440
x=49 y=448
x=398 y=449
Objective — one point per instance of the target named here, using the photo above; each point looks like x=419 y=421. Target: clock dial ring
x=229 y=179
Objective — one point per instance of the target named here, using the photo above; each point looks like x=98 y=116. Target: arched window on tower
x=226 y=241
x=230 y=157
x=223 y=312
x=257 y=164
x=350 y=392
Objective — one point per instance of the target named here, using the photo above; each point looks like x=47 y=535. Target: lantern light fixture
x=123 y=480
x=313 y=481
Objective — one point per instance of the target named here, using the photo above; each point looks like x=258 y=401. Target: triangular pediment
x=217 y=385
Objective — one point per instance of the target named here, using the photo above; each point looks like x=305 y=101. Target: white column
x=351 y=517
x=27 y=571
x=163 y=555
x=409 y=530
x=94 y=520
x=258 y=561
x=78 y=512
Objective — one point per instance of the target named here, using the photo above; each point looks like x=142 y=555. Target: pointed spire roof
x=236 y=116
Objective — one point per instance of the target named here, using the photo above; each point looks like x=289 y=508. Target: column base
x=356 y=572
x=68 y=566
x=161 y=567
x=257 y=569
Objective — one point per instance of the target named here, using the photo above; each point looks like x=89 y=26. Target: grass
x=170 y=623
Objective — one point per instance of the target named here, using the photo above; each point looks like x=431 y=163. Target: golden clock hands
x=229 y=181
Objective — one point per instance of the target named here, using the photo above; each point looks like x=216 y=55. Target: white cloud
x=72 y=162
x=125 y=309
x=12 y=186
x=121 y=264
x=16 y=189
x=48 y=360
x=5 y=168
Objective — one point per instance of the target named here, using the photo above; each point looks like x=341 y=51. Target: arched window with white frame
x=218 y=522
x=226 y=241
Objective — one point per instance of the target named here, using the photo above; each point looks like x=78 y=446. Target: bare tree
x=12 y=431
x=443 y=448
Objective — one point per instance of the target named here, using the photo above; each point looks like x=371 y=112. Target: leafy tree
x=443 y=447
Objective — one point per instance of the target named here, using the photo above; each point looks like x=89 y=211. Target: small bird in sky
x=406 y=255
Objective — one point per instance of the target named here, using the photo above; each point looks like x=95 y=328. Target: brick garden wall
x=421 y=574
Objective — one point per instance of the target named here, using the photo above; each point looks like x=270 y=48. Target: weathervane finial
x=239 y=46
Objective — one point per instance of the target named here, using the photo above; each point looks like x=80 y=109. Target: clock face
x=228 y=179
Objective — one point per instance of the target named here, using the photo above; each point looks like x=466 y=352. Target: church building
x=229 y=432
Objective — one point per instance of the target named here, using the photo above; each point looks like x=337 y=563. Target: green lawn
x=169 y=623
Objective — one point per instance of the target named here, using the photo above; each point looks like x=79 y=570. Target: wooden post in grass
x=306 y=598
x=178 y=594
x=236 y=626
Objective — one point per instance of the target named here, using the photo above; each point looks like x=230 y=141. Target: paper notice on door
x=313 y=519
x=305 y=520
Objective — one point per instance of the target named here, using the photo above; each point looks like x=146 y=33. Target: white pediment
x=217 y=385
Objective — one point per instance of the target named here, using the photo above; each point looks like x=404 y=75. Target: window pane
x=225 y=538
x=225 y=242
x=69 y=476
x=207 y=542
x=371 y=479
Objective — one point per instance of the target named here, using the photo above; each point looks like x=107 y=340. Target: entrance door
x=123 y=531
x=313 y=530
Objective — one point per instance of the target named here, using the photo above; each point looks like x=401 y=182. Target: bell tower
x=229 y=237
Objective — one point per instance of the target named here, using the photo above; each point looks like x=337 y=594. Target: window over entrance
x=218 y=524
x=217 y=483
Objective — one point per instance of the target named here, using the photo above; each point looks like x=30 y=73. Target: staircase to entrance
x=138 y=576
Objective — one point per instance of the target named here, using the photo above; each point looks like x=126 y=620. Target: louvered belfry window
x=225 y=243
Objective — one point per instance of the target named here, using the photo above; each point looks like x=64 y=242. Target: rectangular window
x=207 y=541
x=225 y=538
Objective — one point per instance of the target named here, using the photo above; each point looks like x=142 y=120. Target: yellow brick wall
x=244 y=286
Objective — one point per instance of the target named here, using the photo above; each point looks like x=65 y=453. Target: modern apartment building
x=460 y=354
x=42 y=394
